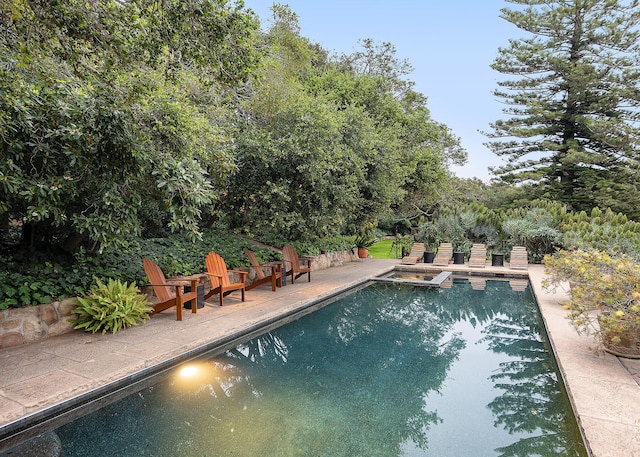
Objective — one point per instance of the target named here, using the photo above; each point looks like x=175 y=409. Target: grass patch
x=384 y=250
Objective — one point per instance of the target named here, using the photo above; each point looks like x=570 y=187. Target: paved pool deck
x=43 y=376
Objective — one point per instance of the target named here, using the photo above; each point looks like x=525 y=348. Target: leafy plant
x=110 y=307
x=605 y=295
x=364 y=241
x=453 y=229
x=401 y=244
x=428 y=234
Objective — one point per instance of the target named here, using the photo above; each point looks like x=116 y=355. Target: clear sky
x=450 y=43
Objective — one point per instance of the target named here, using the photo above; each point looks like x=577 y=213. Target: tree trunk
x=73 y=241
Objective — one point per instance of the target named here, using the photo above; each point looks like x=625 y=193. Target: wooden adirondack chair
x=169 y=293
x=219 y=276
x=292 y=264
x=275 y=277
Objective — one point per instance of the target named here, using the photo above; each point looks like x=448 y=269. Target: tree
x=327 y=146
x=112 y=114
x=573 y=102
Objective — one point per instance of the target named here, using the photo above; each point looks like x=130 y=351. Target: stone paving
x=42 y=376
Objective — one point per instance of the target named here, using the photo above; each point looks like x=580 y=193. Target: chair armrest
x=179 y=282
x=306 y=258
x=240 y=272
x=272 y=267
x=170 y=284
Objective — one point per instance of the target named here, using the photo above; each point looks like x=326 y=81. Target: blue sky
x=449 y=43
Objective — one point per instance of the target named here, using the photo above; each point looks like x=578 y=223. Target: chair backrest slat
x=254 y=263
x=291 y=257
x=156 y=276
x=216 y=266
x=417 y=250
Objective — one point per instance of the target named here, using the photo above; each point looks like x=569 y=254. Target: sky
x=450 y=44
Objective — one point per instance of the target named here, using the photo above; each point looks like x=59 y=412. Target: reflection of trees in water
x=328 y=389
x=377 y=401
x=532 y=401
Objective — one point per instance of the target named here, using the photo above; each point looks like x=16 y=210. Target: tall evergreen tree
x=572 y=101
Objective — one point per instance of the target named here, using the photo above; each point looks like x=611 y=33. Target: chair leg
x=242 y=293
x=194 y=302
x=221 y=296
x=178 y=303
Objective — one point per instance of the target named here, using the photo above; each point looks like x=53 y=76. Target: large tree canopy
x=573 y=102
x=328 y=146
x=111 y=113
x=120 y=118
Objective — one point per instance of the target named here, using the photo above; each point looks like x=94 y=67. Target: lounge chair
x=170 y=293
x=444 y=254
x=415 y=256
x=219 y=276
x=292 y=264
x=275 y=276
x=519 y=258
x=478 y=257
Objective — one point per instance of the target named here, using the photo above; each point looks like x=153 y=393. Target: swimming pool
x=388 y=370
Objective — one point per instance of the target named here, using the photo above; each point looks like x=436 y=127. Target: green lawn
x=384 y=250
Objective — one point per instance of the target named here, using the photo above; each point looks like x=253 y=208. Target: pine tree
x=572 y=102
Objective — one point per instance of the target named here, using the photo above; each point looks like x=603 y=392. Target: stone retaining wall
x=26 y=325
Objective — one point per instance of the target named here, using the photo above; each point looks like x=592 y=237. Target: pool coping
x=37 y=377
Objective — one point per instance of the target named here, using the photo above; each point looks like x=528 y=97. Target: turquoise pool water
x=389 y=370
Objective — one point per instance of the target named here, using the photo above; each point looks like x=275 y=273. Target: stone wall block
x=24 y=312
x=11 y=325
x=48 y=314
x=11 y=339
x=32 y=329
x=60 y=327
x=66 y=307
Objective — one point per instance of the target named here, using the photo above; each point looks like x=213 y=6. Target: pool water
x=411 y=276
x=389 y=370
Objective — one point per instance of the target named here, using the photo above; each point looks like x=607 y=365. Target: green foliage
x=327 y=147
x=602 y=230
x=572 y=102
x=604 y=291
x=399 y=244
x=338 y=243
x=364 y=241
x=428 y=234
x=113 y=114
x=110 y=307
x=452 y=228
x=536 y=230
x=30 y=278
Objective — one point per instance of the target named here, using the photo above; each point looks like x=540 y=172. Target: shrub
x=111 y=307
x=364 y=241
x=605 y=294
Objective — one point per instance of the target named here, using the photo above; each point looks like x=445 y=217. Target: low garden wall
x=26 y=325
